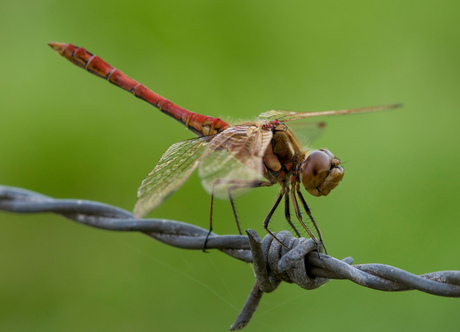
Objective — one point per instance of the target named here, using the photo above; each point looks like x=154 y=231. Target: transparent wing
x=285 y=116
x=307 y=131
x=234 y=155
x=174 y=167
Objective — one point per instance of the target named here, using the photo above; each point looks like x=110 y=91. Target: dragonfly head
x=320 y=172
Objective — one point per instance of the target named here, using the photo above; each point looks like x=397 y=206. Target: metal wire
x=272 y=263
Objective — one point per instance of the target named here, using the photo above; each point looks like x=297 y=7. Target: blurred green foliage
x=68 y=134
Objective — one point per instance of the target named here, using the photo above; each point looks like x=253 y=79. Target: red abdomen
x=200 y=124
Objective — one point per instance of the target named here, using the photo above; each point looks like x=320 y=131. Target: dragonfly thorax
x=320 y=172
x=283 y=155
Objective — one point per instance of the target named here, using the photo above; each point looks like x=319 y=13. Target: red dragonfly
x=230 y=158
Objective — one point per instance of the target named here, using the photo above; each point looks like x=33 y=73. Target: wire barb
x=272 y=262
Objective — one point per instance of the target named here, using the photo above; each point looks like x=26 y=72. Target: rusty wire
x=272 y=263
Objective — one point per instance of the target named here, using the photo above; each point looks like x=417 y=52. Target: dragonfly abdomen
x=199 y=124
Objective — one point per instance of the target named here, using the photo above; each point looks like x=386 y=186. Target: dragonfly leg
x=307 y=209
x=232 y=203
x=270 y=213
x=299 y=216
x=241 y=184
x=288 y=214
x=233 y=185
x=210 y=217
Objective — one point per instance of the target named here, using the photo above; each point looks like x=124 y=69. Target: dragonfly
x=231 y=158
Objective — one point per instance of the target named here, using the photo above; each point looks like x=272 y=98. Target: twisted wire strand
x=272 y=263
x=104 y=216
x=309 y=269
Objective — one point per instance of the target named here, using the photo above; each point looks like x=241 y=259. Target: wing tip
x=396 y=105
x=138 y=212
x=142 y=208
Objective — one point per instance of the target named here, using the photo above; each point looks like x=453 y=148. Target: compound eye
x=314 y=171
x=329 y=153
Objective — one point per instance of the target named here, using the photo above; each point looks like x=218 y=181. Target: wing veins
x=285 y=116
x=164 y=179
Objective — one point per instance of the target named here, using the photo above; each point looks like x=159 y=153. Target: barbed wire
x=272 y=263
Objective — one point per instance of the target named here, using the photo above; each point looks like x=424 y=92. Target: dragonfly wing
x=234 y=155
x=307 y=131
x=285 y=116
x=174 y=167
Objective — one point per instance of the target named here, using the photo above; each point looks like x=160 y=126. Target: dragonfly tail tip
x=58 y=47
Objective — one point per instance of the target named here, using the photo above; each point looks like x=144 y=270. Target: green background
x=68 y=134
